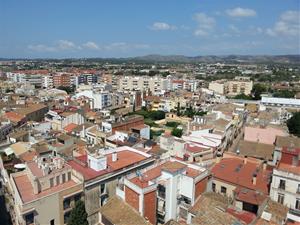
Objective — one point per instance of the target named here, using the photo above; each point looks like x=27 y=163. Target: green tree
x=243 y=96
x=257 y=90
x=294 y=124
x=78 y=215
x=178 y=109
x=177 y=132
x=284 y=94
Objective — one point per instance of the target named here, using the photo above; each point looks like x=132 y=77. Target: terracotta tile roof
x=287 y=142
x=250 y=196
x=236 y=172
x=245 y=216
x=256 y=150
x=210 y=208
x=289 y=168
x=14 y=117
x=120 y=213
x=69 y=128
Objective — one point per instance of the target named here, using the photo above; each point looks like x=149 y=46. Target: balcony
x=294 y=215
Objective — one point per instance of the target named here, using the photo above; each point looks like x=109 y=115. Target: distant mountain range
x=226 y=59
x=292 y=59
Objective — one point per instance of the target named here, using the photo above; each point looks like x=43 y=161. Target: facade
x=240 y=85
x=285 y=186
x=99 y=99
x=61 y=80
x=46 y=183
x=154 y=84
x=59 y=120
x=164 y=191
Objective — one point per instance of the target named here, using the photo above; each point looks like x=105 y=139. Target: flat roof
x=25 y=188
x=125 y=158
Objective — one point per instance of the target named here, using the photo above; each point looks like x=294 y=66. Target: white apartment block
x=48 y=81
x=154 y=84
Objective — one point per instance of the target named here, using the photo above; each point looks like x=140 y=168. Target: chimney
x=114 y=157
x=254 y=179
x=265 y=165
x=245 y=159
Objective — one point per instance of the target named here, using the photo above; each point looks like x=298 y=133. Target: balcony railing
x=295 y=212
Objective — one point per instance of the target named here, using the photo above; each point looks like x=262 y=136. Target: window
x=29 y=218
x=52 y=222
x=67 y=202
x=51 y=182
x=69 y=175
x=298 y=189
x=213 y=187
x=57 y=180
x=66 y=217
x=297 y=206
x=223 y=190
x=63 y=178
x=282 y=184
x=77 y=197
x=280 y=198
x=102 y=188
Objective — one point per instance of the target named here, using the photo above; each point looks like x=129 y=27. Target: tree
x=78 y=215
x=243 y=96
x=294 y=124
x=284 y=94
x=177 y=132
x=257 y=90
x=178 y=109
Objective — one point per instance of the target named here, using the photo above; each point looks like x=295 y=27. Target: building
x=45 y=184
x=61 y=80
x=103 y=170
x=245 y=180
x=280 y=102
x=154 y=84
x=48 y=81
x=33 y=77
x=285 y=186
x=98 y=99
x=116 y=211
x=164 y=191
x=59 y=120
x=240 y=85
x=34 y=112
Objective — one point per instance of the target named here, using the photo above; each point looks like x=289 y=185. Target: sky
x=127 y=28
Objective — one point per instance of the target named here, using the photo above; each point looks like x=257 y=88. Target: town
x=140 y=142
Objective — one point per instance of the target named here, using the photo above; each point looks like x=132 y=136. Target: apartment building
x=48 y=81
x=86 y=78
x=165 y=190
x=285 y=186
x=61 y=80
x=98 y=99
x=153 y=84
x=240 y=85
x=103 y=170
x=33 y=77
x=47 y=183
x=34 y=112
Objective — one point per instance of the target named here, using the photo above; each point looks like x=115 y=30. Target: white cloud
x=287 y=25
x=123 y=46
x=66 y=45
x=234 y=28
x=162 y=26
x=91 y=45
x=41 y=48
x=205 y=24
x=241 y=12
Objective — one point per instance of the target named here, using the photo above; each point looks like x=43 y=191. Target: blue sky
x=111 y=28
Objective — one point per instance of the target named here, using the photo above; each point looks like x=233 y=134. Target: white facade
x=285 y=187
x=100 y=100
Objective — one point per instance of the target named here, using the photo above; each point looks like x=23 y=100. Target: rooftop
x=235 y=171
x=125 y=157
x=25 y=188
x=120 y=213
